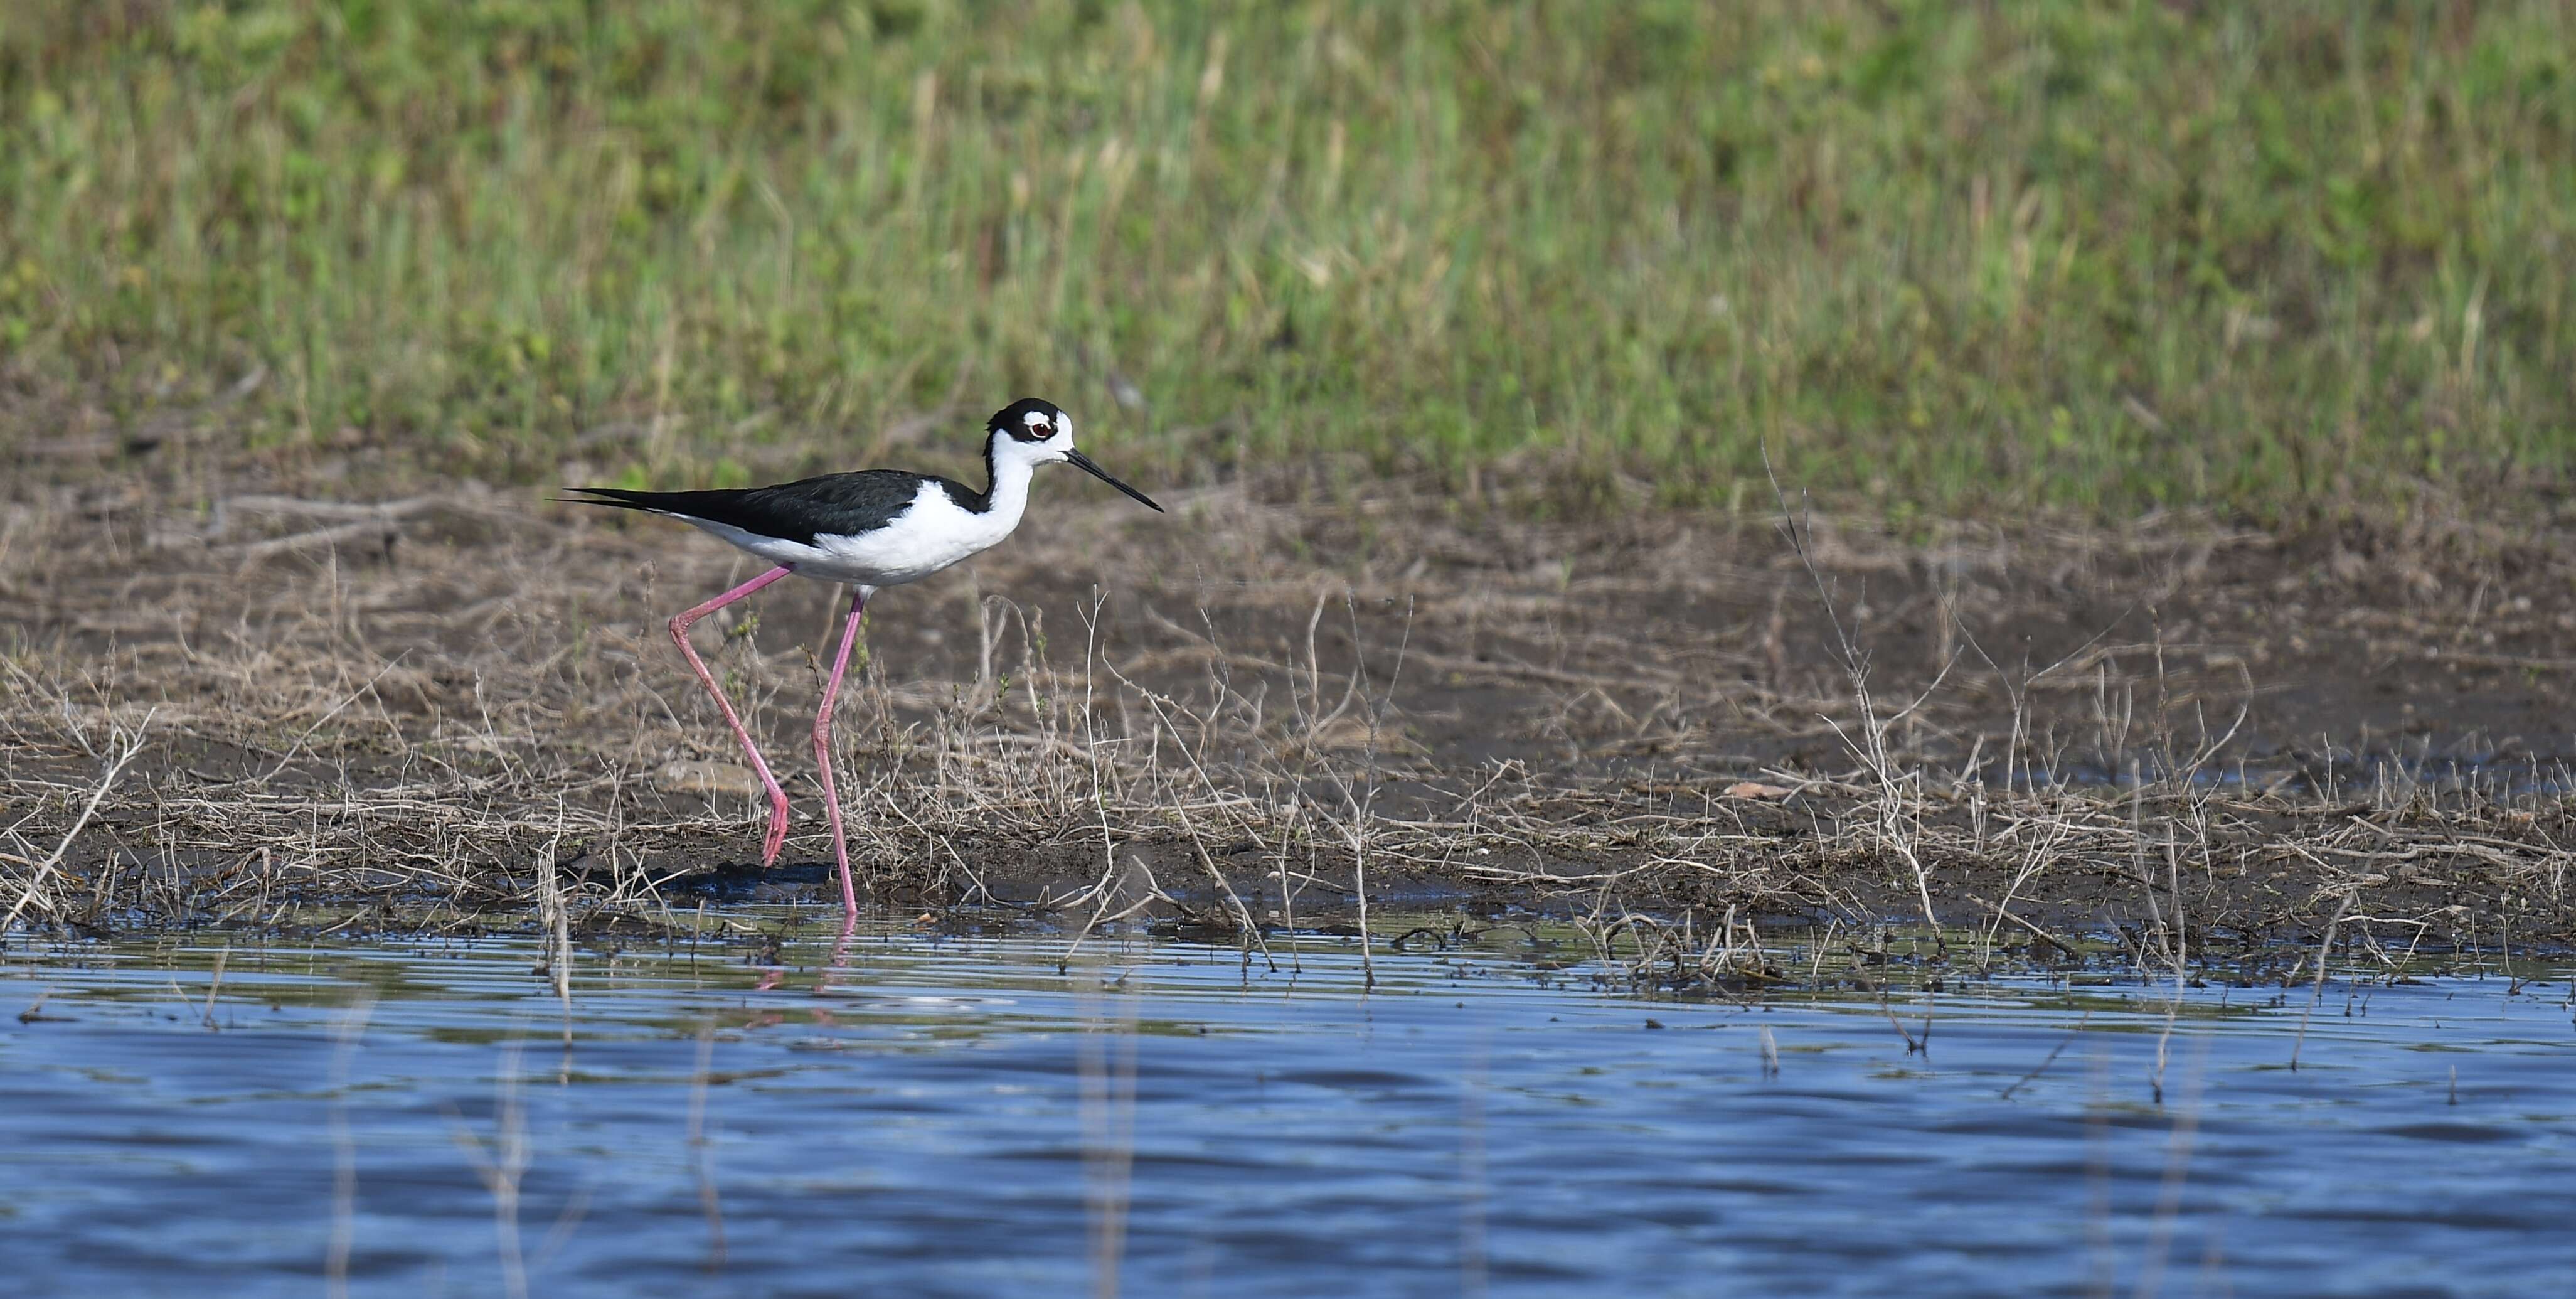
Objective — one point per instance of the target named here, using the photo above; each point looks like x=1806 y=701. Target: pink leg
x=680 y=635
x=823 y=756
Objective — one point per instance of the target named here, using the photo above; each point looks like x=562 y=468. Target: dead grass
x=446 y=710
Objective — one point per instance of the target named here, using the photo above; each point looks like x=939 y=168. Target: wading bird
x=865 y=530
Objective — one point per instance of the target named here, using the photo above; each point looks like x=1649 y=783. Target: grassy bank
x=2281 y=258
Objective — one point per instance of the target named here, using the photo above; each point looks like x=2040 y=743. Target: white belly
x=932 y=533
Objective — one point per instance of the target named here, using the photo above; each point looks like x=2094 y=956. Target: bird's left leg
x=777 y=837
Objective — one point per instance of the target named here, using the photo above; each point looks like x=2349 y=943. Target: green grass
x=2283 y=259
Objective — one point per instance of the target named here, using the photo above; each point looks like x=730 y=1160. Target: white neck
x=1011 y=462
x=1009 y=496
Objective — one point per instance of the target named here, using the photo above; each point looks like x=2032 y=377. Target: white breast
x=932 y=533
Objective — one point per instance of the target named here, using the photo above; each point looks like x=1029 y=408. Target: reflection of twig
x=1473 y=1263
x=2053 y=1052
x=215 y=987
x=1912 y=1043
x=2177 y=1166
x=574 y=1211
x=2164 y=1045
x=1108 y=1090
x=344 y=1147
x=502 y=1166
x=698 y=1147
x=2097 y=1172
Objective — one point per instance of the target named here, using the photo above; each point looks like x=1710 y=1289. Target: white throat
x=1013 y=462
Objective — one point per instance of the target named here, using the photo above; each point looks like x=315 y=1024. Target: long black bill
x=1083 y=463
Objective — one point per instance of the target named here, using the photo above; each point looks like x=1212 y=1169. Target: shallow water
x=958 y=1115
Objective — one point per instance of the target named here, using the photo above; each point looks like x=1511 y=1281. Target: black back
x=833 y=504
x=829 y=505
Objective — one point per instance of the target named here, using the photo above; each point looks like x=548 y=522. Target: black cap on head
x=1030 y=419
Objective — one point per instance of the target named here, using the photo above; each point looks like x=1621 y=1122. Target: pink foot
x=777 y=837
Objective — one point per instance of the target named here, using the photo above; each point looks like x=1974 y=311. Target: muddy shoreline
x=2169 y=735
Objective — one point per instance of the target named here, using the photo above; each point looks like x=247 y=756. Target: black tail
x=654 y=502
x=797 y=511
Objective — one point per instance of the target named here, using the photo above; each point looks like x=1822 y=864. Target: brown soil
x=2160 y=737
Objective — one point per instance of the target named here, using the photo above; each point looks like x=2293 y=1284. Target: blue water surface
x=927 y=1114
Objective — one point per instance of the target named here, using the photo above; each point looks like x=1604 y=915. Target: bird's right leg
x=680 y=636
x=823 y=755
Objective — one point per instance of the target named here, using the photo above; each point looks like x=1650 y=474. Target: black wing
x=833 y=504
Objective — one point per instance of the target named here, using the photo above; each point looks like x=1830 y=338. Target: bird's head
x=1033 y=431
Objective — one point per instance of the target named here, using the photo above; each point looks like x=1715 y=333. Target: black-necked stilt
x=865 y=530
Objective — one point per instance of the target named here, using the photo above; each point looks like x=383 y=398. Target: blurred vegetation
x=2286 y=259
